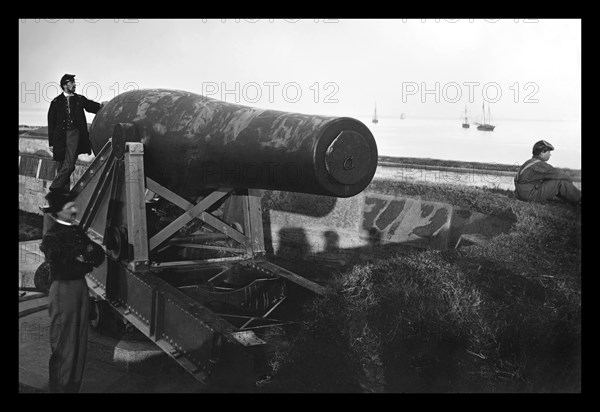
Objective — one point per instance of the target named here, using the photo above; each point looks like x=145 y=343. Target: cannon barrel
x=193 y=143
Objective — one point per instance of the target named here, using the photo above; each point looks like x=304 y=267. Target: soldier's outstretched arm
x=91 y=106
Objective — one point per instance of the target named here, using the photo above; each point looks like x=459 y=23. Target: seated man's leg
x=563 y=189
x=569 y=192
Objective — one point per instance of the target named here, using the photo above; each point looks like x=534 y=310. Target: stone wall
x=302 y=225
x=34 y=145
x=35 y=176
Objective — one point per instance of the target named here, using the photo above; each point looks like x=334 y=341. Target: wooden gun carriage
x=173 y=196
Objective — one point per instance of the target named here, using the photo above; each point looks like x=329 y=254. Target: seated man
x=536 y=180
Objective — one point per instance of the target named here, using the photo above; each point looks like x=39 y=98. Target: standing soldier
x=67 y=131
x=71 y=254
x=537 y=180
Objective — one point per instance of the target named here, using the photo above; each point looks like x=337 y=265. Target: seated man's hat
x=543 y=145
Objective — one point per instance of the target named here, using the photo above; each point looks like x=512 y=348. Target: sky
x=526 y=69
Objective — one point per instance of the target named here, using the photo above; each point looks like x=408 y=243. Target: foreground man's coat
x=68 y=303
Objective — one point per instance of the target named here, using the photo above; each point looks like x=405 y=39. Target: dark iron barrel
x=193 y=143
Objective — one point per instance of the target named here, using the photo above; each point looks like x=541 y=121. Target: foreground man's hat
x=542 y=144
x=57 y=200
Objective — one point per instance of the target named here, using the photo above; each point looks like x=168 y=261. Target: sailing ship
x=375 y=115
x=487 y=127
x=402 y=116
x=466 y=124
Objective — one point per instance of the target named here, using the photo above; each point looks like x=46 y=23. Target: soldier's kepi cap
x=57 y=200
x=67 y=78
x=542 y=144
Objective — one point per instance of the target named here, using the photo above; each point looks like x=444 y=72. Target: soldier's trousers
x=68 y=306
x=67 y=166
x=549 y=190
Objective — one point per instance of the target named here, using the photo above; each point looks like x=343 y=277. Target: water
x=510 y=143
x=38 y=116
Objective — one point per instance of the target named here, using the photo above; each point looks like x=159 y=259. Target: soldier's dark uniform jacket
x=62 y=244
x=59 y=122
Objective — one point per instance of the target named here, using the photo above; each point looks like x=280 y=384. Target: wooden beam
x=185 y=218
x=136 y=205
x=168 y=195
x=291 y=276
x=104 y=181
x=207 y=218
x=224 y=228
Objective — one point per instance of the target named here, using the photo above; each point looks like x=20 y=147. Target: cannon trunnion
x=173 y=196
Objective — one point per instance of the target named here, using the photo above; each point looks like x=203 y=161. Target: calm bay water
x=509 y=143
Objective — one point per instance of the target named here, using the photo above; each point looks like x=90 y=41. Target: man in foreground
x=71 y=254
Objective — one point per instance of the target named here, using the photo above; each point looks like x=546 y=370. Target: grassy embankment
x=574 y=174
x=499 y=317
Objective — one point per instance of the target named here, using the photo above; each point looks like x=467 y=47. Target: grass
x=574 y=174
x=30 y=226
x=500 y=317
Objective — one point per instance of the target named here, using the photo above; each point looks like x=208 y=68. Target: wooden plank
x=29 y=311
x=472 y=238
x=185 y=218
x=207 y=218
x=224 y=228
x=99 y=161
x=291 y=276
x=168 y=195
x=97 y=196
x=254 y=216
x=210 y=247
x=136 y=205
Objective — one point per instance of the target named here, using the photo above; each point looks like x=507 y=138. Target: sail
x=375 y=114
x=486 y=125
x=483 y=110
x=465 y=123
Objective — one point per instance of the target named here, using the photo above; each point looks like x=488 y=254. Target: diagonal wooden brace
x=207 y=218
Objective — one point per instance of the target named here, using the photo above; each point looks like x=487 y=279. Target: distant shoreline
x=458 y=166
x=392 y=161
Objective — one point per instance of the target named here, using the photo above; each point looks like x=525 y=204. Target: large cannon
x=193 y=143
x=173 y=195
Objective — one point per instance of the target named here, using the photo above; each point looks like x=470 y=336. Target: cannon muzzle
x=193 y=143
